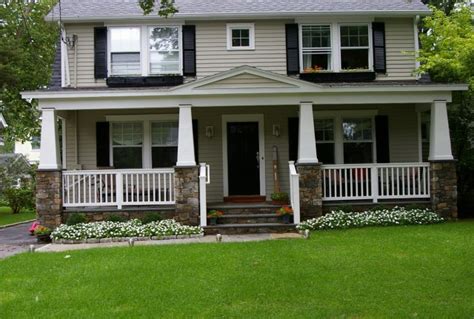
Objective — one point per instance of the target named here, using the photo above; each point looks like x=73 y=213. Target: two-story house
x=315 y=98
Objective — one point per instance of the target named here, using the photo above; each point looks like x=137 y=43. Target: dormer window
x=240 y=36
x=125 y=47
x=316 y=47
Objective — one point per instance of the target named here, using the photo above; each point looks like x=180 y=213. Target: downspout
x=65 y=76
x=75 y=39
x=76 y=142
x=417 y=44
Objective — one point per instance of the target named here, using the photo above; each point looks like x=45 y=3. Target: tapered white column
x=49 y=155
x=185 y=137
x=440 y=141
x=307 y=140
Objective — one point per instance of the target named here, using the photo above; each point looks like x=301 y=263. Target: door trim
x=261 y=145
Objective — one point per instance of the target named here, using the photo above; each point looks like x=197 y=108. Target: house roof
x=112 y=9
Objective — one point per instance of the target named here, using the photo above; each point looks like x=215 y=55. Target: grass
x=7 y=218
x=392 y=272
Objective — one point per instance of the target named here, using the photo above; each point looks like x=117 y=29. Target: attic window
x=240 y=36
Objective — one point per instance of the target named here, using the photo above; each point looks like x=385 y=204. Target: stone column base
x=186 y=185
x=49 y=202
x=444 y=188
x=311 y=190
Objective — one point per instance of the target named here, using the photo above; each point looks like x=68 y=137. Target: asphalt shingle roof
x=94 y=9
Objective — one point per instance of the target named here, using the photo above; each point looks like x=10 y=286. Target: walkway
x=15 y=239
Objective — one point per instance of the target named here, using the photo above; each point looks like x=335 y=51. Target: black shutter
x=382 y=139
x=196 y=140
x=100 y=53
x=189 y=50
x=380 y=64
x=293 y=132
x=102 y=144
x=292 y=49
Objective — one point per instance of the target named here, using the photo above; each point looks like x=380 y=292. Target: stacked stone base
x=444 y=188
x=311 y=190
x=186 y=181
x=48 y=197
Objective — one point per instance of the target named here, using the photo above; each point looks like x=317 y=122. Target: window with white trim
x=355 y=48
x=358 y=140
x=127 y=144
x=125 y=44
x=164 y=50
x=240 y=36
x=316 y=47
x=164 y=139
x=324 y=131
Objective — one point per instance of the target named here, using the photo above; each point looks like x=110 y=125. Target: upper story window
x=335 y=47
x=125 y=50
x=355 y=47
x=240 y=36
x=164 y=50
x=316 y=47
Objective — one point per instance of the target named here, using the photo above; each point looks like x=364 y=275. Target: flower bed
x=383 y=217
x=119 y=231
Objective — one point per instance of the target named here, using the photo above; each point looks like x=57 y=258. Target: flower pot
x=286 y=219
x=43 y=238
x=213 y=221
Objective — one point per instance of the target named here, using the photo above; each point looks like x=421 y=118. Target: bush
x=280 y=197
x=344 y=208
x=386 y=217
x=75 y=219
x=151 y=217
x=19 y=198
x=116 y=219
x=131 y=228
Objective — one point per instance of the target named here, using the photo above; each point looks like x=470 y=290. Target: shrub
x=75 y=219
x=116 y=219
x=386 y=217
x=19 y=198
x=131 y=228
x=280 y=197
x=151 y=217
x=344 y=208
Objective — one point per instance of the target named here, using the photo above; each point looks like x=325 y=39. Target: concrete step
x=256 y=218
x=228 y=229
x=245 y=209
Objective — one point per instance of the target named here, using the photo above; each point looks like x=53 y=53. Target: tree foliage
x=447 y=6
x=447 y=54
x=27 y=47
x=165 y=7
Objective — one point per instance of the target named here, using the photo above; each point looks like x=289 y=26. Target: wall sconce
x=209 y=131
x=70 y=41
x=276 y=130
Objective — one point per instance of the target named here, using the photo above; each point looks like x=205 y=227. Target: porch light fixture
x=209 y=131
x=276 y=130
x=70 y=41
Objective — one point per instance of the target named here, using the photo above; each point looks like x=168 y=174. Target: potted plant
x=280 y=198
x=285 y=213
x=43 y=234
x=213 y=215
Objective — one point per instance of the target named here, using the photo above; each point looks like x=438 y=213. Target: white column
x=307 y=139
x=185 y=137
x=440 y=141
x=49 y=155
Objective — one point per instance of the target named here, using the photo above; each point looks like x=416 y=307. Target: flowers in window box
x=313 y=69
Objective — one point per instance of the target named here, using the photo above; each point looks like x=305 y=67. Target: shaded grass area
x=392 y=272
x=7 y=218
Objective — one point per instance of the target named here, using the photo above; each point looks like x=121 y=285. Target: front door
x=243 y=158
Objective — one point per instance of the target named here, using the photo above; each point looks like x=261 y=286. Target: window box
x=143 y=81
x=329 y=77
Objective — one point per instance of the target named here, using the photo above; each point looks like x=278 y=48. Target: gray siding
x=213 y=57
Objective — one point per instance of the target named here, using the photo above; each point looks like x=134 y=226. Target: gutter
x=245 y=16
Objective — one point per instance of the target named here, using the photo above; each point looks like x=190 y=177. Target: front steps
x=247 y=218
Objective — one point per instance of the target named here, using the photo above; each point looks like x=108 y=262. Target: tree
x=166 y=7
x=27 y=47
x=445 y=5
x=447 y=54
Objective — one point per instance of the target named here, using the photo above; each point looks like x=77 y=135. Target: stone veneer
x=311 y=190
x=49 y=197
x=444 y=188
x=186 y=181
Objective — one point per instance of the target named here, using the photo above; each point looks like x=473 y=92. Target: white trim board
x=261 y=145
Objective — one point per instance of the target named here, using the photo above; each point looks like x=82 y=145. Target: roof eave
x=269 y=15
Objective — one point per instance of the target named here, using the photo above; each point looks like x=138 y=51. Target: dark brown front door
x=242 y=158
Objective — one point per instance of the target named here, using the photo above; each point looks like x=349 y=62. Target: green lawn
x=394 y=272
x=6 y=216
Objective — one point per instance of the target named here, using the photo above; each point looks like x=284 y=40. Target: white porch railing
x=204 y=179
x=119 y=188
x=376 y=181
x=295 y=192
